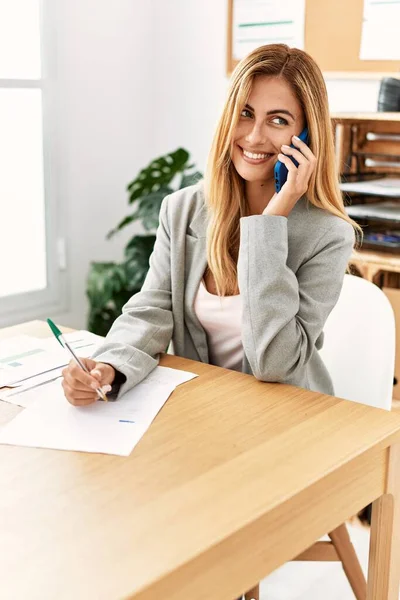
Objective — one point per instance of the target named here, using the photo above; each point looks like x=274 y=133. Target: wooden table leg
x=351 y=566
x=384 y=552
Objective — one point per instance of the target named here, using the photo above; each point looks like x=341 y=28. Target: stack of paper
x=386 y=211
x=387 y=186
x=106 y=427
x=26 y=362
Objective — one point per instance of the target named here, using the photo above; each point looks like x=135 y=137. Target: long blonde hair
x=224 y=188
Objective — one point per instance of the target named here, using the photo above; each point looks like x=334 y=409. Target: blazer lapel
x=195 y=265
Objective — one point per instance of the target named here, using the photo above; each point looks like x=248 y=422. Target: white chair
x=359 y=345
x=359 y=351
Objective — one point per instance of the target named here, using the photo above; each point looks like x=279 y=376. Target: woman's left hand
x=297 y=181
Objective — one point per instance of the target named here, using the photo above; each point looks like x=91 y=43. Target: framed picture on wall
x=253 y=23
x=339 y=45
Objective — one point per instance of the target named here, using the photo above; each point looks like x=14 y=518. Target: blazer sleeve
x=144 y=329
x=283 y=312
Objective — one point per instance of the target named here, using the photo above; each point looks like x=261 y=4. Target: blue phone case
x=280 y=170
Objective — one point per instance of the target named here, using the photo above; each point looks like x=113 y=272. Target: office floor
x=313 y=581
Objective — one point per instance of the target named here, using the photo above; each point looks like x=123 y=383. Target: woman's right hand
x=80 y=387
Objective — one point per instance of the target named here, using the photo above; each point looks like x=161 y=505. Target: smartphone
x=280 y=171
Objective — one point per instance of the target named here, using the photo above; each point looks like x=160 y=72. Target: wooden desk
x=234 y=478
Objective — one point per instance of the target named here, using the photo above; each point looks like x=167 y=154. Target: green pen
x=64 y=344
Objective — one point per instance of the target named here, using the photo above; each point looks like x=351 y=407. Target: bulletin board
x=332 y=37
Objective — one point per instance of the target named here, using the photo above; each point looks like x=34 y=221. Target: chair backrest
x=359 y=344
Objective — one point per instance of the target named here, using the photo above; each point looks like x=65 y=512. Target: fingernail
x=106 y=388
x=281 y=155
x=94 y=386
x=285 y=146
x=95 y=373
x=297 y=138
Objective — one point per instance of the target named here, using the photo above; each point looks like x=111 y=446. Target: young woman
x=241 y=276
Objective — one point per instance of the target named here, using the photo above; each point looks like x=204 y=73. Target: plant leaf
x=125 y=221
x=140 y=246
x=158 y=173
x=137 y=254
x=190 y=179
x=109 y=284
x=149 y=210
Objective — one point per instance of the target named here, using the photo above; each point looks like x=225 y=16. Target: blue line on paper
x=125 y=421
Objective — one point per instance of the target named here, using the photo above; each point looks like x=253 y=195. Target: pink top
x=221 y=319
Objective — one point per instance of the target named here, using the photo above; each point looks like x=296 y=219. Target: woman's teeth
x=255 y=156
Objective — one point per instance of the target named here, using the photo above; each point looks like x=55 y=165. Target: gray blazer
x=290 y=273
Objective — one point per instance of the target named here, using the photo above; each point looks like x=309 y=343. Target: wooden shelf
x=372 y=117
x=362 y=138
x=375 y=262
x=354 y=145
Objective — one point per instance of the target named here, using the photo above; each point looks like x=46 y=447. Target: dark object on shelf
x=389 y=239
x=389 y=95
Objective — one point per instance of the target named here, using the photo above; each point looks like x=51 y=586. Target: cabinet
x=367 y=147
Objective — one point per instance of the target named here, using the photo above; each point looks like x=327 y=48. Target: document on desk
x=103 y=427
x=24 y=358
x=27 y=394
x=10 y=350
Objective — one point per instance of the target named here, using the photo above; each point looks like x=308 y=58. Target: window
x=30 y=278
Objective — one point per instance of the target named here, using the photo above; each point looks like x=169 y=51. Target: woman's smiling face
x=270 y=118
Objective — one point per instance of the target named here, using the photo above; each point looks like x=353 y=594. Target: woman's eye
x=245 y=113
x=279 y=121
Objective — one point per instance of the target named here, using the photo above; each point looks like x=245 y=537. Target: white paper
x=388 y=210
x=388 y=186
x=259 y=22
x=25 y=357
x=106 y=427
x=11 y=350
x=380 y=30
x=25 y=395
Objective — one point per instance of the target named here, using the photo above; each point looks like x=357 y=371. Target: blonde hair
x=224 y=188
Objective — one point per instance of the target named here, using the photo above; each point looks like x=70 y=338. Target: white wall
x=191 y=62
x=191 y=37
x=353 y=95
x=135 y=80
x=104 y=126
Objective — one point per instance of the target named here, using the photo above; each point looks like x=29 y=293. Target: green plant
x=109 y=284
